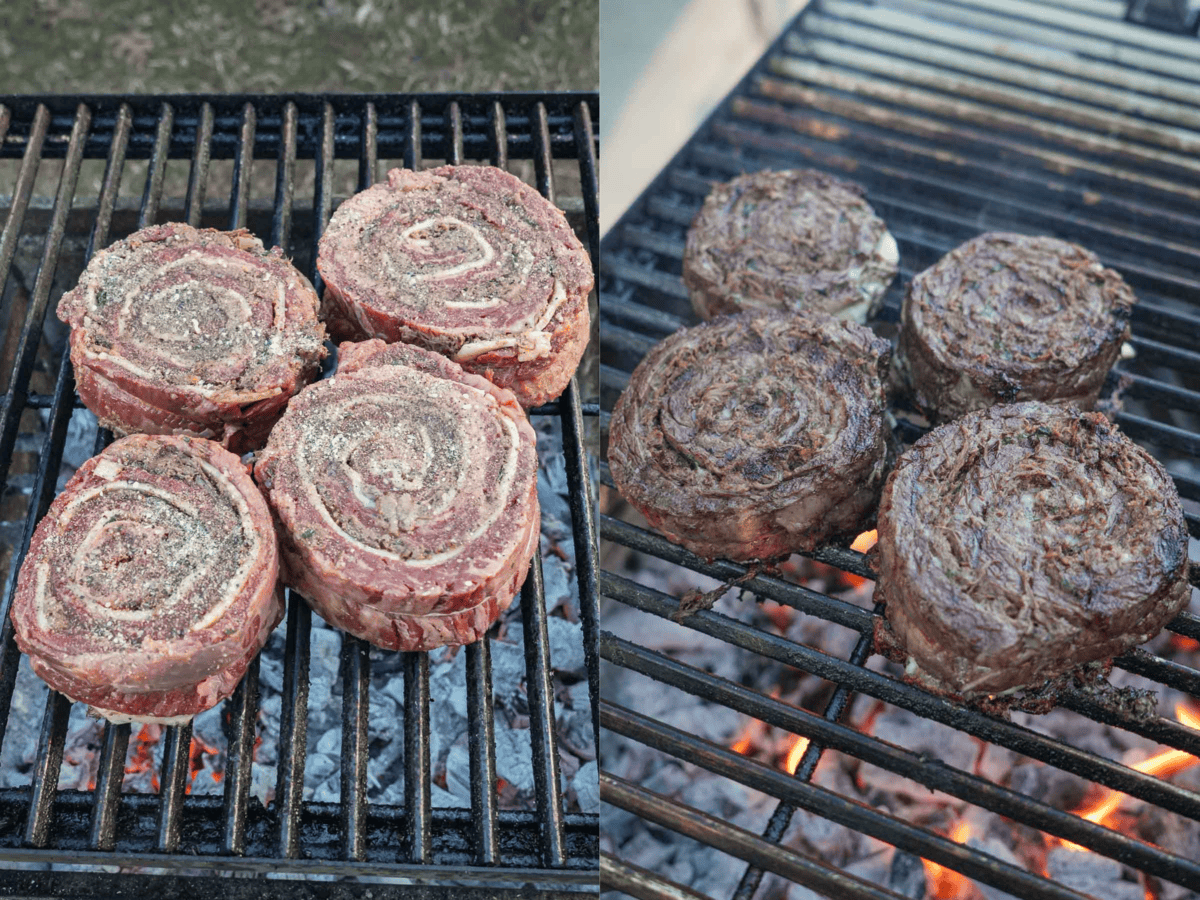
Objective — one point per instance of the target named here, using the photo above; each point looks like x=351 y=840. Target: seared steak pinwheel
x=406 y=493
x=796 y=240
x=1022 y=541
x=755 y=435
x=468 y=261
x=1007 y=317
x=176 y=330
x=152 y=581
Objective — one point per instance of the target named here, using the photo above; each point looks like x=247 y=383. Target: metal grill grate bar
x=883 y=826
x=482 y=739
x=738 y=842
x=243 y=712
x=198 y=175
x=618 y=875
x=293 y=726
x=417 y=799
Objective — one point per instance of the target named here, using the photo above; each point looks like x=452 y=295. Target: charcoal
x=1091 y=873
x=906 y=875
x=587 y=787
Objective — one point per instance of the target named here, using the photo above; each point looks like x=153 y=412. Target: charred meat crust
x=178 y=330
x=1009 y=317
x=152 y=581
x=1023 y=541
x=405 y=491
x=798 y=240
x=755 y=435
x=467 y=261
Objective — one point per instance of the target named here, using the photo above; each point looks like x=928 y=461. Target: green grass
x=125 y=46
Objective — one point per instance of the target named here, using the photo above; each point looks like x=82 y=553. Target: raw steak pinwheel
x=755 y=435
x=406 y=494
x=468 y=261
x=1008 y=317
x=152 y=581
x=796 y=240
x=1022 y=541
x=177 y=330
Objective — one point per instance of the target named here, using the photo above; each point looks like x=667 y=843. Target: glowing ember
x=943 y=883
x=1180 y=642
x=862 y=544
x=143 y=753
x=1161 y=765
x=196 y=753
x=795 y=755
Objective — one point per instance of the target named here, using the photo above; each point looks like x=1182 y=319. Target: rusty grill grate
x=469 y=848
x=957 y=117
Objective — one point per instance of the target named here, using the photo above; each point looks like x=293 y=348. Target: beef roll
x=1021 y=542
x=1009 y=317
x=755 y=435
x=468 y=261
x=178 y=330
x=152 y=581
x=795 y=240
x=406 y=495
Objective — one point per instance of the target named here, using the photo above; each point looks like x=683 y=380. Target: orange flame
x=943 y=883
x=795 y=755
x=862 y=544
x=1162 y=765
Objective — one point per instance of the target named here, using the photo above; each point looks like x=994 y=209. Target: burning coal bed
x=716 y=874
x=449 y=752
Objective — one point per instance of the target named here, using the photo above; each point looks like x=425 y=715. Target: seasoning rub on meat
x=152 y=581
x=178 y=330
x=406 y=495
x=1021 y=542
x=755 y=435
x=467 y=261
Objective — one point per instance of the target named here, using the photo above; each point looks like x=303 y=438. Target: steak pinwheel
x=1021 y=542
x=468 y=261
x=796 y=240
x=406 y=494
x=152 y=581
x=177 y=330
x=755 y=435
x=1008 y=317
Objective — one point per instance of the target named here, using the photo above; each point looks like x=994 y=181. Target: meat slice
x=178 y=330
x=406 y=495
x=467 y=261
x=755 y=435
x=152 y=581
x=1023 y=541
x=1009 y=317
x=798 y=240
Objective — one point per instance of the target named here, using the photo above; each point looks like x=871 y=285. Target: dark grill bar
x=957 y=117
x=354 y=836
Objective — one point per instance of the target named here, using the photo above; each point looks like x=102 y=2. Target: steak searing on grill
x=797 y=240
x=1022 y=541
x=755 y=435
x=406 y=492
x=467 y=261
x=177 y=330
x=152 y=581
x=1008 y=317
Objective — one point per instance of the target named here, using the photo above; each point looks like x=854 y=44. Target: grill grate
x=480 y=846
x=957 y=117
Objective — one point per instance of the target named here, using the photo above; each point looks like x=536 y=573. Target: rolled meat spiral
x=755 y=435
x=152 y=581
x=406 y=495
x=468 y=261
x=1009 y=317
x=178 y=330
x=1022 y=541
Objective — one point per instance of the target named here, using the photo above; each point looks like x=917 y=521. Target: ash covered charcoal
x=177 y=330
x=152 y=581
x=792 y=240
x=406 y=493
x=1008 y=317
x=468 y=261
x=755 y=435
x=990 y=565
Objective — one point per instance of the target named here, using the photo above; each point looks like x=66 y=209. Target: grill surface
x=477 y=846
x=958 y=117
